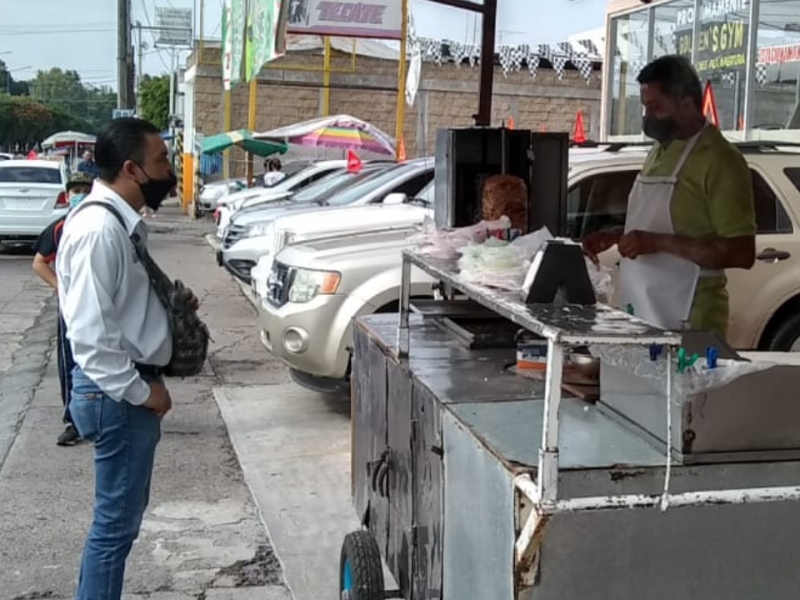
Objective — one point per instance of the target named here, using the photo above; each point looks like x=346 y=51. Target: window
x=413 y=186
x=371 y=184
x=599 y=202
x=30 y=175
x=771 y=217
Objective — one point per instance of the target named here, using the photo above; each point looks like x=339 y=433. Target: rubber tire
x=366 y=569
x=784 y=335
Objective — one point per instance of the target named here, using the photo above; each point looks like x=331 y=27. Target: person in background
x=46 y=247
x=274 y=173
x=87 y=165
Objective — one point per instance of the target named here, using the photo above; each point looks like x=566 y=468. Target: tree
x=65 y=90
x=25 y=122
x=155 y=100
x=9 y=85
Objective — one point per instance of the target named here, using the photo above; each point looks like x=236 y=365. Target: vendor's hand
x=598 y=242
x=638 y=243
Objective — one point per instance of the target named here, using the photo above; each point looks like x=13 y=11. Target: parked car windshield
x=332 y=183
x=29 y=175
x=354 y=193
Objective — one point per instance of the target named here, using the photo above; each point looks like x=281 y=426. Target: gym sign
x=722 y=38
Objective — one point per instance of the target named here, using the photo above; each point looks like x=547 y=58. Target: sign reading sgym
x=722 y=36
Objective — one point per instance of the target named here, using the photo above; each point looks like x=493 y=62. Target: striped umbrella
x=244 y=139
x=340 y=131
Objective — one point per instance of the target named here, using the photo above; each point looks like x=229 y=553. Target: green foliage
x=65 y=90
x=23 y=121
x=155 y=100
x=9 y=85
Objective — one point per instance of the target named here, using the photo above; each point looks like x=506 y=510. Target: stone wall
x=290 y=90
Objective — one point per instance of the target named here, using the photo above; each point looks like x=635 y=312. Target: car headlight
x=308 y=284
x=259 y=229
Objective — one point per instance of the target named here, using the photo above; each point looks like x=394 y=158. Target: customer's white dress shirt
x=113 y=316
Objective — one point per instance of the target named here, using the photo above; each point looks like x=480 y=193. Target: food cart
x=473 y=482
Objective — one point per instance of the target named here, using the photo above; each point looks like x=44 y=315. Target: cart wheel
x=360 y=568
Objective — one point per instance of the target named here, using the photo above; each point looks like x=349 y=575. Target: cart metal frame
x=542 y=493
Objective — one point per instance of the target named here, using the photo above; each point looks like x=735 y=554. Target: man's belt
x=151 y=371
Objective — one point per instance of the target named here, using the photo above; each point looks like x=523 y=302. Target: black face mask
x=155 y=190
x=661 y=130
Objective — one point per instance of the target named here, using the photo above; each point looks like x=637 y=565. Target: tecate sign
x=361 y=18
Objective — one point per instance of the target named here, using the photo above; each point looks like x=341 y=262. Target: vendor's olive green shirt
x=713 y=198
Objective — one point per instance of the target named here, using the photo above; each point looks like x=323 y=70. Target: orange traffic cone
x=510 y=121
x=541 y=127
x=710 y=105
x=401 y=151
x=578 y=135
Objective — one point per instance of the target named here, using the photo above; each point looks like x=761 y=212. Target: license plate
x=22 y=203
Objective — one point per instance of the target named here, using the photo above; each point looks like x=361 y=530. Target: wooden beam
x=462 y=4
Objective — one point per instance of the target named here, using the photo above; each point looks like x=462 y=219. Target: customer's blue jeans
x=125 y=439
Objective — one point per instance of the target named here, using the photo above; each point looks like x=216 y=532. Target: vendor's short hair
x=676 y=77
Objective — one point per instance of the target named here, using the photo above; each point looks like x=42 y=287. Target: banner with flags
x=266 y=40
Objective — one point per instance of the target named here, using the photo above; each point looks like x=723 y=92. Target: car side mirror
x=395 y=199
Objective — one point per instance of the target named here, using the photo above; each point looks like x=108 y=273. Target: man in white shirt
x=121 y=339
x=274 y=174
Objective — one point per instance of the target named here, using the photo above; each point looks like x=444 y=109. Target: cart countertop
x=571 y=324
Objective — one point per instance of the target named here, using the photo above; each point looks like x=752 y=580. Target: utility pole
x=139 y=68
x=123 y=53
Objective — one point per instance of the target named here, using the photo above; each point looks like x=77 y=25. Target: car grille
x=233 y=235
x=278 y=284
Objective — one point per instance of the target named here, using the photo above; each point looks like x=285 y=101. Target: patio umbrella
x=340 y=131
x=67 y=138
x=244 y=139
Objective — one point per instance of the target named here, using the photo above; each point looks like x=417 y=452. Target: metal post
x=750 y=69
x=696 y=30
x=123 y=33
x=139 y=70
x=651 y=34
x=251 y=124
x=326 y=77
x=401 y=79
x=548 y=453
x=403 y=334
x=484 y=117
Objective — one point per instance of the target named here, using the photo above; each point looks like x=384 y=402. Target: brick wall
x=290 y=90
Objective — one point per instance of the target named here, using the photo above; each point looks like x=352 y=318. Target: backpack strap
x=160 y=281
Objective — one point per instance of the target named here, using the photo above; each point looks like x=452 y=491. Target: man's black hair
x=120 y=140
x=676 y=77
x=275 y=164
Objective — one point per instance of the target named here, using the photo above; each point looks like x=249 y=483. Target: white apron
x=659 y=287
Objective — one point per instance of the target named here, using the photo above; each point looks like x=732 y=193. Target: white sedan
x=32 y=195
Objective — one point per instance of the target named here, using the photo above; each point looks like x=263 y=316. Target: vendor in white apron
x=690 y=213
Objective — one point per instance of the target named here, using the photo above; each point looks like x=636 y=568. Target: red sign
x=772 y=55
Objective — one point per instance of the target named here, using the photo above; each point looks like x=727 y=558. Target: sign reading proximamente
x=722 y=38
x=174 y=26
x=357 y=18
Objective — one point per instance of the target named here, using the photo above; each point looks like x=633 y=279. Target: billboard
x=233 y=41
x=174 y=26
x=266 y=22
x=356 y=18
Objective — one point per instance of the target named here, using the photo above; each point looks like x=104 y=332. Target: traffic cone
x=510 y=121
x=401 y=151
x=710 y=105
x=578 y=135
x=541 y=127
x=353 y=161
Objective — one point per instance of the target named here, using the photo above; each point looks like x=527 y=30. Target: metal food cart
x=474 y=483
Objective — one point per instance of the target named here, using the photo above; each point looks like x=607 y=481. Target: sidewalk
x=202 y=537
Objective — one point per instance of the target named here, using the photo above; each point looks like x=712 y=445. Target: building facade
x=291 y=89
x=746 y=51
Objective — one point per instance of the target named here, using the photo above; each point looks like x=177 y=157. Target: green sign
x=266 y=25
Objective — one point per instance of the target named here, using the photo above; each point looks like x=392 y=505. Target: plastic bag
x=448 y=243
x=494 y=263
x=602 y=282
x=696 y=379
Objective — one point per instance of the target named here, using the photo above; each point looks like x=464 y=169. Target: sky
x=81 y=34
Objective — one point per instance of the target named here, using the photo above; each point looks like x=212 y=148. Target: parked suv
x=346 y=276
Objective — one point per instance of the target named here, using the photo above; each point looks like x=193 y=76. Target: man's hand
x=639 y=243
x=159 y=400
x=600 y=241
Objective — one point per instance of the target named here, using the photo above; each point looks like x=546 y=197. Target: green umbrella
x=244 y=139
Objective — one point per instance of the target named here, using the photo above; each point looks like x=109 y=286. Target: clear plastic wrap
x=696 y=379
x=448 y=243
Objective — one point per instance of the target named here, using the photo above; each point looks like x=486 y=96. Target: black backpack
x=190 y=335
